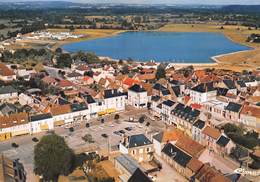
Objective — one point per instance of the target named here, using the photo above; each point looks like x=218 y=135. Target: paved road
x=25 y=150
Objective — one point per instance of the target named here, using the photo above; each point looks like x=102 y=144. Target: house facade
x=137 y=96
x=137 y=146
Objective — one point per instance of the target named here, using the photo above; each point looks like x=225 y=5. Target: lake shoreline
x=142 y=41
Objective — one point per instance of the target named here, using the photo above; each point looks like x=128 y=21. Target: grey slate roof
x=138 y=140
x=168 y=103
x=166 y=92
x=8 y=108
x=199 y=124
x=185 y=112
x=241 y=83
x=40 y=117
x=112 y=93
x=204 y=87
x=222 y=91
x=7 y=89
x=223 y=141
x=176 y=154
x=78 y=107
x=139 y=176
x=234 y=107
x=158 y=86
x=229 y=83
x=89 y=99
x=158 y=137
x=176 y=90
x=137 y=88
x=155 y=98
x=128 y=163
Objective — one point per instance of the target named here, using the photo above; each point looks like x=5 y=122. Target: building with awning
x=14 y=124
x=110 y=111
x=59 y=123
x=23 y=131
x=41 y=122
x=101 y=113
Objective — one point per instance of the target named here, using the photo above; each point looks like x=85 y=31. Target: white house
x=203 y=93
x=114 y=100
x=137 y=96
x=69 y=113
x=41 y=122
x=92 y=104
x=167 y=106
x=6 y=74
x=197 y=129
x=8 y=93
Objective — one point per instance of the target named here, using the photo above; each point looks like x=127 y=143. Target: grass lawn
x=237 y=35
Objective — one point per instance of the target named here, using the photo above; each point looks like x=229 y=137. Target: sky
x=249 y=2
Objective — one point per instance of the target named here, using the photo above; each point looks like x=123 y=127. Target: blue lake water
x=160 y=46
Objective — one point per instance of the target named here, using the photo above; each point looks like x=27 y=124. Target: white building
x=41 y=122
x=114 y=100
x=6 y=74
x=167 y=106
x=203 y=93
x=137 y=96
x=8 y=93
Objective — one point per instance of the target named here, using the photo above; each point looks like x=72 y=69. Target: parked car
x=34 y=139
x=128 y=128
x=15 y=145
x=122 y=131
x=104 y=135
x=117 y=133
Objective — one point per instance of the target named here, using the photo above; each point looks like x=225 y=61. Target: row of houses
x=182 y=153
x=61 y=114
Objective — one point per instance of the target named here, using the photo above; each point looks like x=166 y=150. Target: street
x=74 y=139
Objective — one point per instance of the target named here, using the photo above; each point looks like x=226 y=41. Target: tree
x=141 y=119
x=52 y=157
x=58 y=50
x=64 y=60
x=89 y=73
x=160 y=73
x=125 y=69
x=116 y=117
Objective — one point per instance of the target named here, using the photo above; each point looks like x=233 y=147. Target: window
x=148 y=149
x=141 y=151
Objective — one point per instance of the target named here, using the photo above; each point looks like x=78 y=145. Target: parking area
x=106 y=136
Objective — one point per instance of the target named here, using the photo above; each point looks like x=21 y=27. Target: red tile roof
x=212 y=132
x=65 y=83
x=130 y=82
x=5 y=71
x=190 y=146
x=48 y=80
x=13 y=120
x=60 y=109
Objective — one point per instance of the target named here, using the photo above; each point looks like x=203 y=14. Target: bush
x=116 y=117
x=245 y=141
x=231 y=128
x=71 y=129
x=15 y=145
x=34 y=139
x=141 y=119
x=88 y=138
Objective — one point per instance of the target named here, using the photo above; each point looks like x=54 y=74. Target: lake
x=194 y=47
